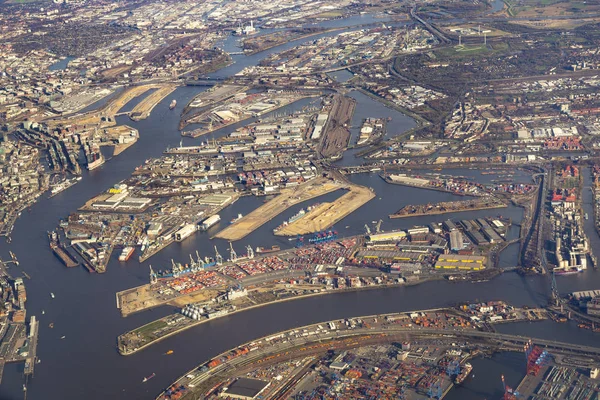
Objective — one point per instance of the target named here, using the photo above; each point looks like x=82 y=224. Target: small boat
x=168 y=353
x=43 y=312
x=51 y=325
x=52 y=295
x=38 y=361
x=173 y=104
x=586 y=215
x=146 y=379
x=347 y=226
x=62 y=337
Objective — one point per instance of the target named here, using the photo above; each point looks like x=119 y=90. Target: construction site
x=288 y=198
x=326 y=215
x=145 y=107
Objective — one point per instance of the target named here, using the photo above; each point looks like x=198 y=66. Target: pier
x=447 y=207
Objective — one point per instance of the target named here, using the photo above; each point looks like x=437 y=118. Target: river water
x=86 y=364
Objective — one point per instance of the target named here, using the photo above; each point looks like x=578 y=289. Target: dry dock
x=287 y=198
x=327 y=214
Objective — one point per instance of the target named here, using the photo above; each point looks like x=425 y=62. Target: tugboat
x=146 y=379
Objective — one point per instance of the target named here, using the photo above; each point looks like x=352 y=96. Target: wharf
x=145 y=107
x=154 y=250
x=447 y=207
x=288 y=198
x=423 y=184
x=327 y=214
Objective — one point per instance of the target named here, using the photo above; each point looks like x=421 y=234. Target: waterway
x=86 y=364
x=61 y=64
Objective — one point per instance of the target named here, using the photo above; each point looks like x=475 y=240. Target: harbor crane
x=368 y=229
x=232 y=253
x=378 y=226
x=200 y=261
x=153 y=277
x=555 y=294
x=218 y=257
x=509 y=393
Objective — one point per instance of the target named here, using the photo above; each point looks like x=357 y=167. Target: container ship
x=464 y=373
x=273 y=248
x=126 y=253
x=323 y=237
x=173 y=104
x=567 y=271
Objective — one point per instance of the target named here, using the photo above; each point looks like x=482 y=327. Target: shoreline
x=347 y=290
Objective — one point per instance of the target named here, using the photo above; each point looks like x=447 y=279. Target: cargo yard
x=448 y=207
x=418 y=355
x=211 y=287
x=241 y=107
x=19 y=331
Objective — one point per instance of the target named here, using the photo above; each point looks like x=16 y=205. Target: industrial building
x=460 y=262
x=456 y=240
x=387 y=236
x=245 y=389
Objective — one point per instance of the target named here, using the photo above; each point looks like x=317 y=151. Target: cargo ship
x=173 y=104
x=567 y=271
x=273 y=248
x=126 y=253
x=296 y=216
x=236 y=219
x=146 y=379
x=464 y=373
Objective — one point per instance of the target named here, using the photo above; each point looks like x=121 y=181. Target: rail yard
x=420 y=354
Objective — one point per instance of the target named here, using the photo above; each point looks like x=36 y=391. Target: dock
x=145 y=107
x=447 y=207
x=288 y=198
x=327 y=214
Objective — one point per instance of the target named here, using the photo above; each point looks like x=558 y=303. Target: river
x=86 y=364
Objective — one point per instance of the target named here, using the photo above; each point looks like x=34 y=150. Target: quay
x=327 y=214
x=340 y=335
x=447 y=207
x=287 y=198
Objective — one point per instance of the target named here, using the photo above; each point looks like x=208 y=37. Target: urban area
x=195 y=160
